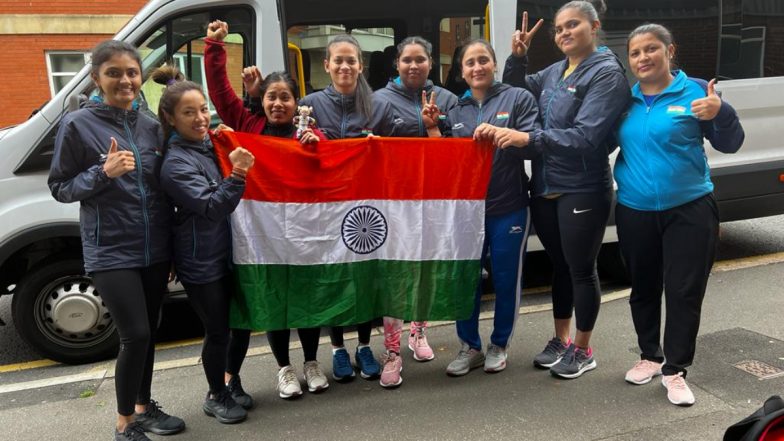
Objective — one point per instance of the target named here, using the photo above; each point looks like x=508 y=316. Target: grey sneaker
x=574 y=363
x=467 y=359
x=495 y=359
x=223 y=407
x=314 y=377
x=154 y=420
x=551 y=354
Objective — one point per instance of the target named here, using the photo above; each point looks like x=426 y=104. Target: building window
x=63 y=66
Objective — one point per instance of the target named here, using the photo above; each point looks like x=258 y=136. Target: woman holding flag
x=404 y=93
x=347 y=109
x=499 y=114
x=277 y=92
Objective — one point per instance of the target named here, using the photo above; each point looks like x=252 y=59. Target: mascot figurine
x=303 y=120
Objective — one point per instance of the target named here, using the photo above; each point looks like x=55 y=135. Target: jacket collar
x=203 y=146
x=495 y=89
x=677 y=85
x=338 y=97
x=116 y=114
x=397 y=86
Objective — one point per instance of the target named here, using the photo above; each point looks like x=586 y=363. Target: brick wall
x=71 y=6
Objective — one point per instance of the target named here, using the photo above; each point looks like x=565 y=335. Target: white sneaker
x=678 y=391
x=467 y=359
x=495 y=359
x=314 y=377
x=288 y=384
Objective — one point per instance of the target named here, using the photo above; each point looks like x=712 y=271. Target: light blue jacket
x=662 y=163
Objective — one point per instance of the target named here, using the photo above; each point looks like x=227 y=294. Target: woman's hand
x=217 y=30
x=251 y=79
x=241 y=159
x=485 y=132
x=118 y=162
x=505 y=137
x=221 y=128
x=521 y=40
x=308 y=137
x=707 y=108
x=430 y=111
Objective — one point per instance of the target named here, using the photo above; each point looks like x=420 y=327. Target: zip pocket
x=98 y=224
x=193 y=232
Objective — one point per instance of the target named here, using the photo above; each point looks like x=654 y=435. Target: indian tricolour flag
x=347 y=231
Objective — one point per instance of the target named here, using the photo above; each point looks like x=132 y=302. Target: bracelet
x=238 y=176
x=239 y=171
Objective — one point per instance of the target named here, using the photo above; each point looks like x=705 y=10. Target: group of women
x=140 y=188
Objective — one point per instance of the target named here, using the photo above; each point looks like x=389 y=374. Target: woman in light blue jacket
x=666 y=215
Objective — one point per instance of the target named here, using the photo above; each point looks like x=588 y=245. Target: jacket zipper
x=140 y=183
x=193 y=231
x=98 y=225
x=547 y=126
x=419 y=118
x=343 y=117
x=647 y=152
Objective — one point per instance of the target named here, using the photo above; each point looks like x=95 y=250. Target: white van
x=55 y=306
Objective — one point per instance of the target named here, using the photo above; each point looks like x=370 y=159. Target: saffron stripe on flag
x=351 y=169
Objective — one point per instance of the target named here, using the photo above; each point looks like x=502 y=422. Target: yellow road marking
x=27 y=366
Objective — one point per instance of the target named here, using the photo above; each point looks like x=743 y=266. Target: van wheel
x=57 y=311
x=611 y=263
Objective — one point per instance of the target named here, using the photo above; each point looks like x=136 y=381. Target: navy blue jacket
x=203 y=201
x=125 y=221
x=407 y=106
x=662 y=163
x=337 y=117
x=578 y=115
x=503 y=106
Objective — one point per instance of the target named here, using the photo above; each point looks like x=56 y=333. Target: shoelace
x=678 y=382
x=154 y=410
x=313 y=370
x=644 y=365
x=465 y=352
x=366 y=357
x=134 y=431
x=341 y=360
x=554 y=346
x=419 y=338
x=235 y=385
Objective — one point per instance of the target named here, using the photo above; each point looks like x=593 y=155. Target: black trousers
x=133 y=297
x=671 y=250
x=571 y=228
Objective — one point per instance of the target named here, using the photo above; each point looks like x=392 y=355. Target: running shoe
x=288 y=384
x=238 y=393
x=643 y=372
x=393 y=366
x=154 y=420
x=417 y=342
x=369 y=368
x=342 y=370
x=495 y=359
x=467 y=359
x=223 y=407
x=678 y=391
x=551 y=354
x=314 y=377
x=574 y=363
x=133 y=432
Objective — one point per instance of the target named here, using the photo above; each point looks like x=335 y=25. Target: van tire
x=48 y=306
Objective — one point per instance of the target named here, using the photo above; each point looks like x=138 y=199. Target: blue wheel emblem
x=364 y=229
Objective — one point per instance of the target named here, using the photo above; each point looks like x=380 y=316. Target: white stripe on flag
x=323 y=233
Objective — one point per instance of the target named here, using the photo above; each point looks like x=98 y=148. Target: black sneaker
x=551 y=354
x=133 y=432
x=574 y=363
x=223 y=407
x=238 y=394
x=159 y=422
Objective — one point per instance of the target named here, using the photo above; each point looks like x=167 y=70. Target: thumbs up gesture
x=707 y=108
x=118 y=162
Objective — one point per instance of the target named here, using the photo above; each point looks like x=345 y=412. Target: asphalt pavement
x=741 y=329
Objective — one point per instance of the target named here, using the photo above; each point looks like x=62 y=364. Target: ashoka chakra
x=364 y=229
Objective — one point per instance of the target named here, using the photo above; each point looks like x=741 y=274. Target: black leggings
x=133 y=297
x=571 y=228
x=279 y=342
x=211 y=303
x=363 y=329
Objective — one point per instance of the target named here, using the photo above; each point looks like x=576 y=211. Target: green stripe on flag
x=301 y=296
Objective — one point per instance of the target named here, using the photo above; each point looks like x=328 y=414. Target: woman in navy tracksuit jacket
x=497 y=112
x=406 y=93
x=107 y=157
x=580 y=100
x=346 y=109
x=666 y=216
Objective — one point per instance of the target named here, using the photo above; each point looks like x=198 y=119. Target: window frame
x=50 y=74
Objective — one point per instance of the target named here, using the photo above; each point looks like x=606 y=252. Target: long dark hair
x=363 y=96
x=176 y=86
x=105 y=50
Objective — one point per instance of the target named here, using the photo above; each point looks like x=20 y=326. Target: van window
x=453 y=33
x=377 y=45
x=181 y=40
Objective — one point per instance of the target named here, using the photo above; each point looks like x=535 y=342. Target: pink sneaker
x=417 y=342
x=678 y=391
x=643 y=372
x=390 y=374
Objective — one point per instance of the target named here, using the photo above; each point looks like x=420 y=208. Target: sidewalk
x=742 y=321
